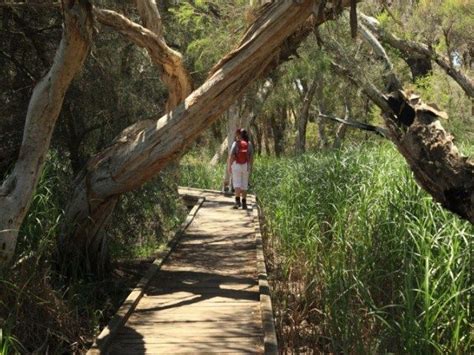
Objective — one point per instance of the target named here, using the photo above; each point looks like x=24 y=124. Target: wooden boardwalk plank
x=206 y=296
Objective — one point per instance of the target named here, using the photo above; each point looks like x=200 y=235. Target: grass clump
x=364 y=261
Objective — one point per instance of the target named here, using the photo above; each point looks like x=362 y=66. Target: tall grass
x=361 y=259
x=376 y=265
x=42 y=312
x=196 y=172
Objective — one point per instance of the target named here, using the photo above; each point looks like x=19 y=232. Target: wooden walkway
x=207 y=294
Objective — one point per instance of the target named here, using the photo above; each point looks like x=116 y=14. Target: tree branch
x=422 y=50
x=174 y=74
x=381 y=131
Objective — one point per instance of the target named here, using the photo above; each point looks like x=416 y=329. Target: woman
x=240 y=165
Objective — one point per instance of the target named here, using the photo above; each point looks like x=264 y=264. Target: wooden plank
x=170 y=275
x=207 y=342
x=104 y=338
x=217 y=300
x=227 y=247
x=196 y=314
x=176 y=330
x=228 y=271
x=149 y=318
x=181 y=296
x=216 y=348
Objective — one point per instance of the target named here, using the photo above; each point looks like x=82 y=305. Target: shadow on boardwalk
x=205 y=298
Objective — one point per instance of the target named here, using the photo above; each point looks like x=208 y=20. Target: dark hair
x=244 y=135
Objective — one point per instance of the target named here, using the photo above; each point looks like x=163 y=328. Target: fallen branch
x=381 y=131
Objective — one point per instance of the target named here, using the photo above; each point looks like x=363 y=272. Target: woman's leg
x=237 y=181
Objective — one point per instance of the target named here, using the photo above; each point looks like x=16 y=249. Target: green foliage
x=8 y=343
x=365 y=258
x=146 y=218
x=196 y=172
x=205 y=31
x=40 y=228
x=40 y=308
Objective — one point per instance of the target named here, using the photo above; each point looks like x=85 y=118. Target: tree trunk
x=278 y=124
x=323 y=140
x=43 y=111
x=303 y=117
x=235 y=119
x=221 y=151
x=246 y=119
x=267 y=134
x=232 y=122
x=142 y=150
x=258 y=136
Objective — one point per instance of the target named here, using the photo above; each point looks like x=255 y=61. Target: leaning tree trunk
x=144 y=149
x=43 y=110
x=416 y=131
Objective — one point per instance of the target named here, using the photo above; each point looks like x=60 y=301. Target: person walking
x=239 y=165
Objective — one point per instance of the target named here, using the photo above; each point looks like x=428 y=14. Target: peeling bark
x=43 y=111
x=436 y=162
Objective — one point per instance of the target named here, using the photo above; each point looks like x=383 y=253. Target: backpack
x=242 y=152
